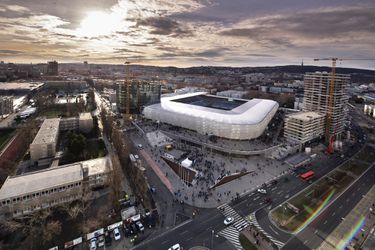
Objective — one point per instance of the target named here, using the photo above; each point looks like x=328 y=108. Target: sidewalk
x=338 y=237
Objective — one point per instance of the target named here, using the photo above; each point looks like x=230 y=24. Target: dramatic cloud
x=164 y=26
x=187 y=32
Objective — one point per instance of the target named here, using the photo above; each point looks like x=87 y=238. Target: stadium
x=224 y=117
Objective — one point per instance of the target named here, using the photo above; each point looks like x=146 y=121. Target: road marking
x=316 y=231
x=256 y=198
x=306 y=241
x=325 y=222
x=273 y=230
x=342 y=218
x=280 y=192
x=164 y=242
x=184 y=232
x=333 y=214
x=340 y=206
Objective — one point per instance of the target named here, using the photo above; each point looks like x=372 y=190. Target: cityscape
x=187 y=125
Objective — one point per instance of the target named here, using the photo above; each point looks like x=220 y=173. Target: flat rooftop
x=20 y=85
x=97 y=166
x=210 y=101
x=40 y=180
x=306 y=116
x=47 y=132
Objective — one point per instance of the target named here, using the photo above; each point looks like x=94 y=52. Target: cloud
x=17 y=8
x=9 y=52
x=164 y=26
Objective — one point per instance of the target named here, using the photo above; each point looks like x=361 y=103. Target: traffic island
x=252 y=239
x=294 y=214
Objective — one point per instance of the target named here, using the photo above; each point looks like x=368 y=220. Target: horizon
x=188 y=33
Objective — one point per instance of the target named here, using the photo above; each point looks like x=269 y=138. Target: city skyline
x=188 y=33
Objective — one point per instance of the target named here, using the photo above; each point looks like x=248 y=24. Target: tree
x=115 y=180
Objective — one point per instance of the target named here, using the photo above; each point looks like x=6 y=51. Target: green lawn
x=5 y=136
x=246 y=244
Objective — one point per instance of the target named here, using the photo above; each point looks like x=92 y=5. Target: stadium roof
x=250 y=112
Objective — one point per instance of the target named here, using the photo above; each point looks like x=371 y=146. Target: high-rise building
x=52 y=68
x=316 y=98
x=304 y=126
x=141 y=94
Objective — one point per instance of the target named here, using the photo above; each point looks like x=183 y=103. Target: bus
x=307 y=176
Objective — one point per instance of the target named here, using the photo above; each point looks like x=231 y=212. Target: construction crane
x=331 y=139
x=127 y=84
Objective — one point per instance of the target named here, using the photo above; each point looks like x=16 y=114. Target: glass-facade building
x=141 y=94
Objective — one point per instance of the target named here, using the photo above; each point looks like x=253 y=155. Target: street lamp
x=212 y=239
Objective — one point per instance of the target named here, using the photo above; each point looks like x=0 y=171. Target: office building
x=141 y=94
x=316 y=98
x=6 y=105
x=44 y=144
x=304 y=127
x=52 y=68
x=24 y=194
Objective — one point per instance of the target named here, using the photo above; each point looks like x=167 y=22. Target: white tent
x=187 y=163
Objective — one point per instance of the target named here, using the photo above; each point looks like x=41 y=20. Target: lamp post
x=212 y=239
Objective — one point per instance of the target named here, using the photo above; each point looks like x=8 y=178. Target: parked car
x=108 y=239
x=93 y=244
x=139 y=226
x=117 y=234
x=228 y=221
x=101 y=241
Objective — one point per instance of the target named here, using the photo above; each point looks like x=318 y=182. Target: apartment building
x=140 y=94
x=6 y=105
x=304 y=127
x=44 y=144
x=31 y=192
x=316 y=98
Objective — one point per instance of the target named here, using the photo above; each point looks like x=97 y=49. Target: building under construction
x=317 y=98
x=140 y=94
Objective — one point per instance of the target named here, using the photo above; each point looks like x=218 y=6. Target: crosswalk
x=254 y=221
x=232 y=235
x=239 y=222
x=232 y=232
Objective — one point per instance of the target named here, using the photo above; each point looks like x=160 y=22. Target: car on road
x=175 y=247
x=116 y=234
x=262 y=191
x=228 y=221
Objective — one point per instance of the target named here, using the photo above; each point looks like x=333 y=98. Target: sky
x=188 y=32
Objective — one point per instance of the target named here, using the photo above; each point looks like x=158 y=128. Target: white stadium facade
x=224 y=117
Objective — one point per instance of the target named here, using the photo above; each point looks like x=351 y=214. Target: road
x=199 y=230
x=315 y=233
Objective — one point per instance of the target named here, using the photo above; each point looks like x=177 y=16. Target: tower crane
x=330 y=139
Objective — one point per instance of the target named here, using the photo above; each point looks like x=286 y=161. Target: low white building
x=44 y=144
x=304 y=126
x=30 y=192
x=85 y=122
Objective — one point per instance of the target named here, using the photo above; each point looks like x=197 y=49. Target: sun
x=99 y=23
